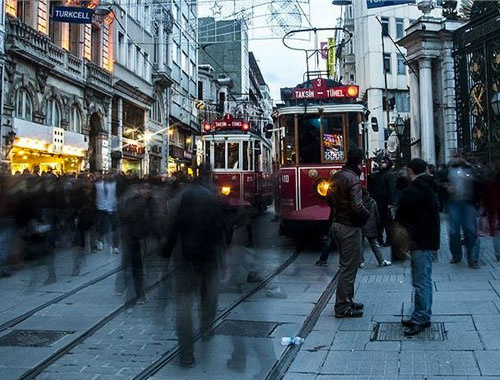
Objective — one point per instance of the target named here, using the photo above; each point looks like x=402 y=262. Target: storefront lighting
x=188 y=140
x=170 y=131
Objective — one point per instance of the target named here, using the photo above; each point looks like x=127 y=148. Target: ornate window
x=75 y=120
x=156 y=111
x=24 y=105
x=52 y=113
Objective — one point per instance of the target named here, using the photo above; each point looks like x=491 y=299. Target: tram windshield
x=318 y=139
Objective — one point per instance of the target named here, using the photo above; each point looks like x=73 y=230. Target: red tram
x=319 y=122
x=239 y=160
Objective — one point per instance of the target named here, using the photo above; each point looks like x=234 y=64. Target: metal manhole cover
x=393 y=331
x=257 y=329
x=32 y=338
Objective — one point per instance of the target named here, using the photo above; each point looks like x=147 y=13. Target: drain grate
x=256 y=329
x=32 y=338
x=393 y=331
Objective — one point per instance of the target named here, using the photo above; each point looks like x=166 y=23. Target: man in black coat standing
x=418 y=212
x=348 y=216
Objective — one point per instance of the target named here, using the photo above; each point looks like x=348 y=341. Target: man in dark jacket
x=348 y=215
x=418 y=211
x=383 y=190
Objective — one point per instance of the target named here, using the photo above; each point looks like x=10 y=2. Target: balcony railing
x=99 y=77
x=28 y=42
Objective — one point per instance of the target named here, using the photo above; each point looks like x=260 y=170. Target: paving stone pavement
x=467 y=301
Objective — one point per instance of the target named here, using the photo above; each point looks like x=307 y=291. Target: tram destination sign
x=73 y=15
x=230 y=122
x=320 y=90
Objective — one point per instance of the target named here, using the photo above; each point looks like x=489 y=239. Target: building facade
x=86 y=96
x=183 y=120
x=56 y=91
x=372 y=60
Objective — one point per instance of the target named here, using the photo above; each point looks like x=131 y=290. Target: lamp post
x=399 y=127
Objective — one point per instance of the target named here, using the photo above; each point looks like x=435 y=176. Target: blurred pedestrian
x=349 y=215
x=383 y=191
x=461 y=185
x=198 y=223
x=418 y=212
x=370 y=231
x=106 y=196
x=493 y=205
x=7 y=222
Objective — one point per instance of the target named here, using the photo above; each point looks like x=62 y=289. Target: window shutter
x=106 y=46
x=87 y=41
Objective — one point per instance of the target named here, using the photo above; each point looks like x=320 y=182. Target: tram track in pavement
x=23 y=317
x=38 y=369
x=169 y=356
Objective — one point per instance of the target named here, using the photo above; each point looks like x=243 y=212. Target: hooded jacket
x=418 y=211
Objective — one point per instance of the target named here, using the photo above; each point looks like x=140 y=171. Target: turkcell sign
x=386 y=3
x=73 y=15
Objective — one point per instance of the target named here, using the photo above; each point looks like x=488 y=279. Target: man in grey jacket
x=348 y=215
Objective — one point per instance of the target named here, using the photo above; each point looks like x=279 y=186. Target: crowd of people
x=401 y=209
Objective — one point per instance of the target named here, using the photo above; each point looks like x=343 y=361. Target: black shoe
x=409 y=323
x=474 y=265
x=186 y=361
x=455 y=261
x=498 y=257
x=5 y=274
x=357 y=306
x=415 y=330
x=321 y=263
x=254 y=277
x=349 y=313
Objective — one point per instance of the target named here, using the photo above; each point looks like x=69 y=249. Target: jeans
x=349 y=243
x=463 y=218
x=421 y=272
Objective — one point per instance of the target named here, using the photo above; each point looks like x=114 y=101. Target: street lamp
x=103 y=9
x=399 y=125
x=495 y=103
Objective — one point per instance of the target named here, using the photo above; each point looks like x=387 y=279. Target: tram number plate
x=285 y=178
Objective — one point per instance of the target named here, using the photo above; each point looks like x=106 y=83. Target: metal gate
x=477 y=78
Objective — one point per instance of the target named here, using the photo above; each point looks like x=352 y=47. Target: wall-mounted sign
x=321 y=90
x=386 y=3
x=73 y=15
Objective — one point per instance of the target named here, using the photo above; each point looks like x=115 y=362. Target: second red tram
x=239 y=161
x=318 y=124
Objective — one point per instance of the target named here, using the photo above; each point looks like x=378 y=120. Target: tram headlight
x=322 y=187
x=225 y=190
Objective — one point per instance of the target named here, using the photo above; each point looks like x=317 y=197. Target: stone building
x=86 y=96
x=57 y=90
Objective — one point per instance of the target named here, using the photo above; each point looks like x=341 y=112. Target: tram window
x=233 y=158
x=220 y=155
x=245 y=155
x=309 y=140
x=333 y=138
x=289 y=142
x=353 y=131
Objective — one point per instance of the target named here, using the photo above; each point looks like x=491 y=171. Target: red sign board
x=229 y=122
x=320 y=90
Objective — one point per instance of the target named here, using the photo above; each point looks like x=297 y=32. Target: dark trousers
x=328 y=246
x=385 y=224
x=132 y=258
x=190 y=278
x=349 y=243
x=375 y=247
